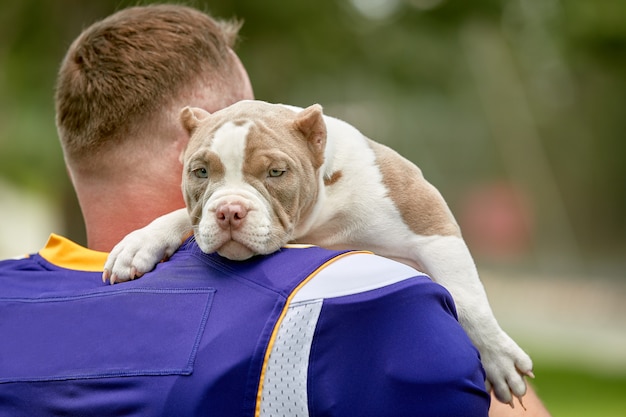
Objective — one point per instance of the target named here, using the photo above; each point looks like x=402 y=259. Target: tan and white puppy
x=258 y=176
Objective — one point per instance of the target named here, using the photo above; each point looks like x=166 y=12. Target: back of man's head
x=123 y=75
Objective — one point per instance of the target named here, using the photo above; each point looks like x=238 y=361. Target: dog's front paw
x=140 y=251
x=506 y=365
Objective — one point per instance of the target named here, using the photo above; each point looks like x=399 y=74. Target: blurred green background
x=514 y=109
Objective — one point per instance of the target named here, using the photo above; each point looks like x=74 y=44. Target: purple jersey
x=304 y=331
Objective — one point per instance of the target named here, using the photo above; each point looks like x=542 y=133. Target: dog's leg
x=142 y=249
x=448 y=261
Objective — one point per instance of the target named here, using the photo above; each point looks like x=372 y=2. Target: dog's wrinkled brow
x=208 y=159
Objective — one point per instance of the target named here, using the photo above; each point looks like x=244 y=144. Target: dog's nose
x=230 y=215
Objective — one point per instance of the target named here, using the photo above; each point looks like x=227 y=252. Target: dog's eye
x=275 y=172
x=201 y=172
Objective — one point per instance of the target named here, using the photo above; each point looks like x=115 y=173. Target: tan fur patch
x=336 y=176
x=422 y=207
x=272 y=144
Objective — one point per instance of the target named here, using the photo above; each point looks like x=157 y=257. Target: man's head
x=123 y=74
x=119 y=93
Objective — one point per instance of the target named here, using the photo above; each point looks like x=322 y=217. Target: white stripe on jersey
x=354 y=274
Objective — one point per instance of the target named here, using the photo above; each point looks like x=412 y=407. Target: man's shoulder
x=282 y=272
x=365 y=321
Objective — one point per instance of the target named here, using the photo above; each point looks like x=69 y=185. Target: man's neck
x=111 y=216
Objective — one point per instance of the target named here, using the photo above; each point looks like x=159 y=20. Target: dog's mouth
x=238 y=226
x=224 y=243
x=235 y=251
x=237 y=245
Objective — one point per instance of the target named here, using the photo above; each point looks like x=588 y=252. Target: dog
x=257 y=176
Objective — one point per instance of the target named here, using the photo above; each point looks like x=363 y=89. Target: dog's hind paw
x=506 y=367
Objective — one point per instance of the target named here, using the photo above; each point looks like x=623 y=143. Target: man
x=287 y=334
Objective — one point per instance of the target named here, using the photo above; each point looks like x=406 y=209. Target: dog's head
x=251 y=174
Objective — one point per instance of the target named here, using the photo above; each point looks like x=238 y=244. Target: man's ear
x=310 y=123
x=190 y=117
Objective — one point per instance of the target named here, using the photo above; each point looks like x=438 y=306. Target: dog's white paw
x=140 y=251
x=506 y=365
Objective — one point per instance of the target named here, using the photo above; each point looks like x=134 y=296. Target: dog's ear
x=191 y=117
x=310 y=122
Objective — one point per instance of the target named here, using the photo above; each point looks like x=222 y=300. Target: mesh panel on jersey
x=284 y=386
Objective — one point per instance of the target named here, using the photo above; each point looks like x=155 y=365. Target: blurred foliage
x=571 y=392
x=527 y=92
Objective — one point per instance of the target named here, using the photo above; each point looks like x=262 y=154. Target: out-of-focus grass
x=579 y=393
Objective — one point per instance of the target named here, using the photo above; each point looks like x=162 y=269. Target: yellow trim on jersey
x=270 y=345
x=62 y=252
